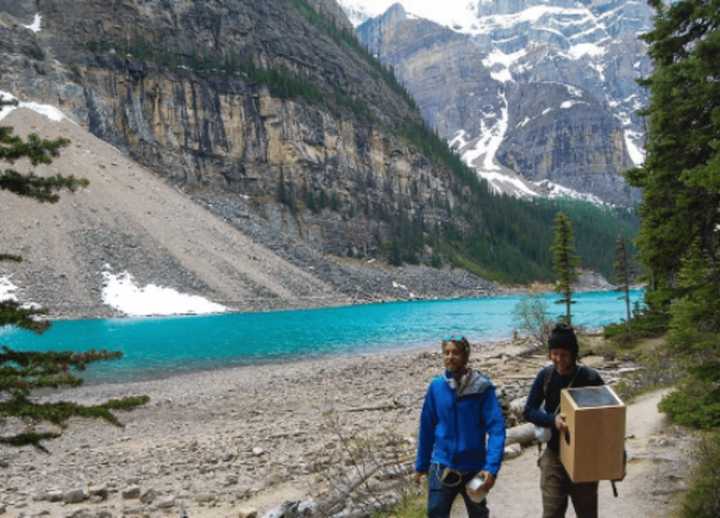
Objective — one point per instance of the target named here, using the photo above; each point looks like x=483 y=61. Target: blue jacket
x=453 y=429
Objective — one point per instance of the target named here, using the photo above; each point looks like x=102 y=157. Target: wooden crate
x=594 y=445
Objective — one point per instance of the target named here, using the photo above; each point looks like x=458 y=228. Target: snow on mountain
x=590 y=48
x=36 y=25
x=51 y=112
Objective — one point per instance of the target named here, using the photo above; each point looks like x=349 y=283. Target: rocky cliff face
x=266 y=113
x=545 y=89
x=183 y=87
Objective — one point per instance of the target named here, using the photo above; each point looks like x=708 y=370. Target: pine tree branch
x=12 y=313
x=37 y=150
x=29 y=439
x=10 y=257
x=42 y=189
x=60 y=412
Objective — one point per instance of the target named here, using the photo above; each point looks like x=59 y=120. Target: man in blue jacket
x=460 y=415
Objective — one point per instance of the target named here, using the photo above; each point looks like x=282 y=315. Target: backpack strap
x=547 y=376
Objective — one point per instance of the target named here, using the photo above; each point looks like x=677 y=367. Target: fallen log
x=523 y=435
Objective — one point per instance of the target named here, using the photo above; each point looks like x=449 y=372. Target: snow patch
x=397 y=285
x=35 y=26
x=497 y=56
x=7 y=289
x=637 y=154
x=586 y=49
x=458 y=141
x=574 y=91
x=47 y=110
x=489 y=142
x=502 y=76
x=502 y=183
x=569 y=104
x=122 y=293
x=553 y=190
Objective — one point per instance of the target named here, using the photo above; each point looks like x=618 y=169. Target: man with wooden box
x=586 y=447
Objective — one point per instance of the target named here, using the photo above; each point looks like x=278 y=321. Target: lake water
x=156 y=347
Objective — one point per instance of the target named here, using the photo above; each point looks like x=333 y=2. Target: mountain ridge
x=519 y=51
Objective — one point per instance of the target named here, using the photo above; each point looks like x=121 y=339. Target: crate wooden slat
x=593 y=448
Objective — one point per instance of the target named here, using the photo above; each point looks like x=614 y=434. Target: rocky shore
x=235 y=441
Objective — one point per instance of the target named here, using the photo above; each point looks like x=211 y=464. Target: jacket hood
x=472 y=382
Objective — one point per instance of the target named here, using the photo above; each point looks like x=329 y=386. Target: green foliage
x=22 y=372
x=38 y=151
x=694 y=338
x=678 y=237
x=694 y=403
x=642 y=324
x=702 y=499
x=681 y=174
x=565 y=262
x=407 y=239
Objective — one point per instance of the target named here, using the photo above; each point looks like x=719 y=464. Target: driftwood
x=389 y=406
x=523 y=435
x=343 y=492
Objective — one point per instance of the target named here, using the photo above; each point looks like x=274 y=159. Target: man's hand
x=489 y=481
x=560 y=423
x=419 y=477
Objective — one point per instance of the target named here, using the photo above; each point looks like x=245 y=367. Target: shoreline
x=501 y=292
x=349 y=354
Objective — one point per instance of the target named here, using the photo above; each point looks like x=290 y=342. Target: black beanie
x=563 y=337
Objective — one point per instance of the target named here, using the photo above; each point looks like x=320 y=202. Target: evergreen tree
x=679 y=238
x=681 y=174
x=22 y=372
x=565 y=262
x=623 y=273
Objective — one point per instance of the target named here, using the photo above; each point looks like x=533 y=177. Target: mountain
x=543 y=90
x=272 y=117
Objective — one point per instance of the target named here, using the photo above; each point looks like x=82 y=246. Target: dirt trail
x=657 y=466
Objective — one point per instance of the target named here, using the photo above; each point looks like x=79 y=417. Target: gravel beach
x=228 y=442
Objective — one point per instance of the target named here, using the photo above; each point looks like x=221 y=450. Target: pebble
x=166 y=502
x=131 y=492
x=75 y=496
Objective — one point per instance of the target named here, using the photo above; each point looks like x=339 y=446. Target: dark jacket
x=545 y=415
x=453 y=428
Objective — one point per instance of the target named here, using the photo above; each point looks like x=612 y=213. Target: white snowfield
x=123 y=294
x=7 y=289
x=49 y=111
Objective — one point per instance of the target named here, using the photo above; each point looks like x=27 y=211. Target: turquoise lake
x=158 y=347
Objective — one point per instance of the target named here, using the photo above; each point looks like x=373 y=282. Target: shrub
x=694 y=403
x=703 y=498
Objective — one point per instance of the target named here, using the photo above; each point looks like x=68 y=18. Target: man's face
x=563 y=360
x=453 y=357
